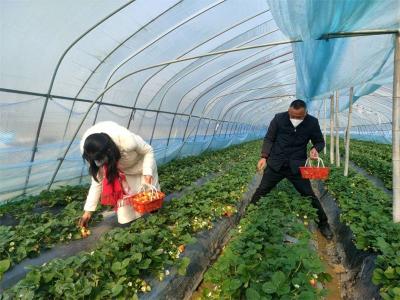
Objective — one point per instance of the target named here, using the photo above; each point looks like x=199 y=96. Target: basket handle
x=152 y=188
x=308 y=162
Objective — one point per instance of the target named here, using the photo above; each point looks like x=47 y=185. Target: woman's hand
x=84 y=220
x=148 y=179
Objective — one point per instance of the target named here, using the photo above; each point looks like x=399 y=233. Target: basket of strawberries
x=148 y=199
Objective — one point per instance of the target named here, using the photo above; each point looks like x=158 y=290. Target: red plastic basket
x=310 y=172
x=148 y=201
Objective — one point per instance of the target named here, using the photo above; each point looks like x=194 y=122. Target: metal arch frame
x=222 y=82
x=262 y=59
x=34 y=149
x=201 y=65
x=212 y=100
x=207 y=62
x=230 y=120
x=259 y=88
x=250 y=100
x=140 y=70
x=190 y=50
x=177 y=107
x=255 y=107
x=154 y=41
x=111 y=53
x=268 y=44
x=216 y=100
x=232 y=107
x=245 y=111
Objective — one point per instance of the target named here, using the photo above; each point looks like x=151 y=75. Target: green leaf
x=145 y=264
x=183 y=264
x=116 y=267
x=269 y=288
x=33 y=277
x=396 y=291
x=116 y=290
x=4 y=265
x=278 y=278
x=390 y=273
x=307 y=295
x=48 y=276
x=137 y=257
x=252 y=294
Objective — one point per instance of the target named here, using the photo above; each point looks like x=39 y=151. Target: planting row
x=258 y=263
x=124 y=257
x=368 y=212
x=40 y=230
x=374 y=158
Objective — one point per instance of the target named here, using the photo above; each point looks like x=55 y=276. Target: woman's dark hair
x=98 y=146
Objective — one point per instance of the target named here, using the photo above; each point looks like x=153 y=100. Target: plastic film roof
x=57 y=57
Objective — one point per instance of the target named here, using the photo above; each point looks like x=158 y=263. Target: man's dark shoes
x=326 y=231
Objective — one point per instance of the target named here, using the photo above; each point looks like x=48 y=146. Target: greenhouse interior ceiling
x=200 y=149
x=188 y=76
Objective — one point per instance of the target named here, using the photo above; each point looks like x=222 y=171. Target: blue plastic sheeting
x=338 y=64
x=74 y=171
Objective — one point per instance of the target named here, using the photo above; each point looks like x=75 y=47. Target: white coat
x=137 y=160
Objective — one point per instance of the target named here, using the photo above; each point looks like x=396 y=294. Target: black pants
x=271 y=178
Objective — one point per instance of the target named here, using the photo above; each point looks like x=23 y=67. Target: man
x=285 y=149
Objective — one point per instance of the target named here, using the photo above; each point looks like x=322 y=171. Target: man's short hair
x=297 y=104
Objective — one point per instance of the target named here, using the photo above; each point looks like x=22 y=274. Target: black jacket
x=285 y=143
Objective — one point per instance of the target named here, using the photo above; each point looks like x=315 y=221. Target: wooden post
x=337 y=130
x=325 y=125
x=396 y=131
x=332 y=146
x=347 y=151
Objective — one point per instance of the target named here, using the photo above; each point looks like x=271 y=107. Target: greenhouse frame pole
x=154 y=41
x=203 y=64
x=337 y=130
x=214 y=100
x=132 y=115
x=332 y=137
x=325 y=126
x=95 y=101
x=396 y=131
x=347 y=150
x=229 y=78
x=35 y=144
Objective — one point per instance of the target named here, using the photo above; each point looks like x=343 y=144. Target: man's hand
x=261 y=164
x=84 y=220
x=148 y=179
x=314 y=154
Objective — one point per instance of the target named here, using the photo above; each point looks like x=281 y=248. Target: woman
x=120 y=162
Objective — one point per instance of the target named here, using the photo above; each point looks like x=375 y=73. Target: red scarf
x=112 y=191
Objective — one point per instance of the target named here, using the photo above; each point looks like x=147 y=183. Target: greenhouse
x=143 y=147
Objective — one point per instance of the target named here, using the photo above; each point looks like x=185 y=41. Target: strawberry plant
x=258 y=264
x=38 y=231
x=124 y=257
x=374 y=158
x=367 y=210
